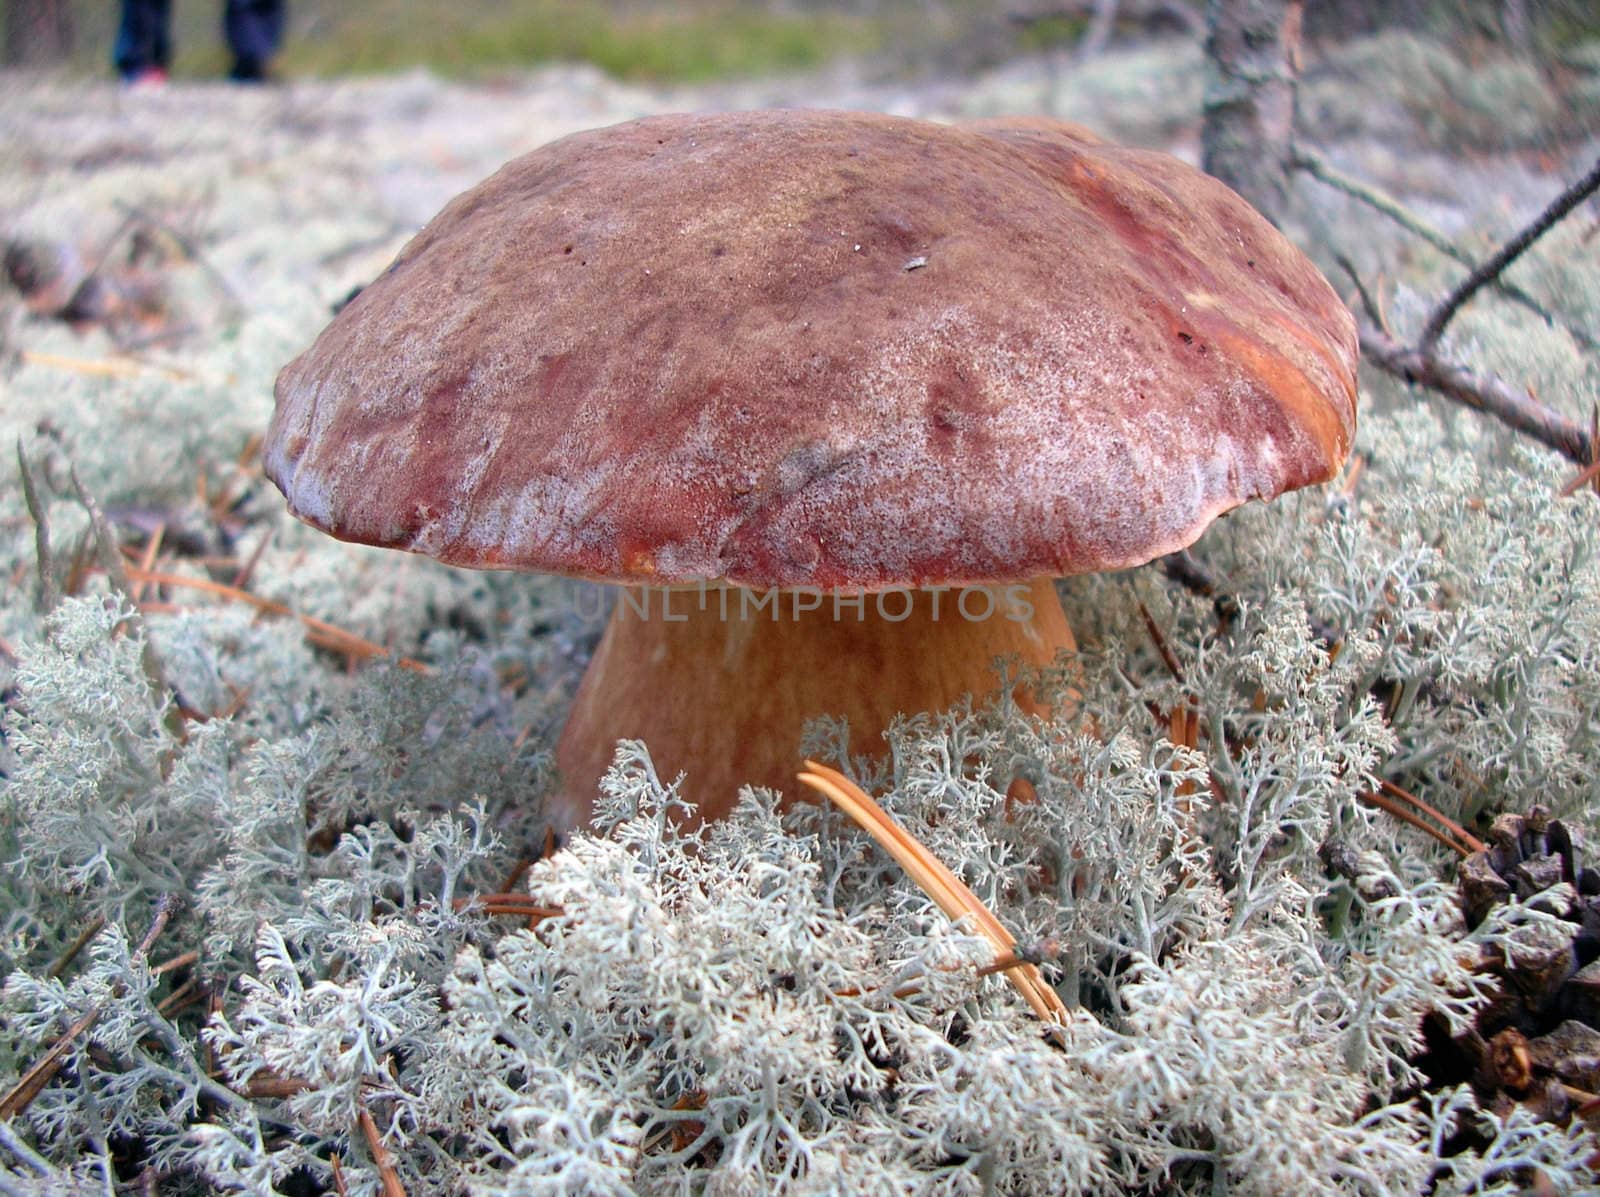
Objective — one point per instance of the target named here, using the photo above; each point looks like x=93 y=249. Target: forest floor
x=167 y=251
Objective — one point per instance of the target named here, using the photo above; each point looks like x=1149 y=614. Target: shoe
x=151 y=78
x=249 y=70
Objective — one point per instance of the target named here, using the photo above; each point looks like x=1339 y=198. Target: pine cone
x=1538 y=1043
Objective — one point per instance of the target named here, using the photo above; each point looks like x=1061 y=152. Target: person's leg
x=143 y=40
x=254 y=29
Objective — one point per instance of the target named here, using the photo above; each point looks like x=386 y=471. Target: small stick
x=166 y=907
x=106 y=545
x=1587 y=475
x=381 y=1158
x=338 y=1175
x=92 y=929
x=1036 y=953
x=1160 y=641
x=179 y=997
x=1491 y=268
x=45 y=589
x=37 y=1077
x=1368 y=303
x=179 y=961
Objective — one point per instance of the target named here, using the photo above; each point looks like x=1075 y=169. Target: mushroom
x=832 y=395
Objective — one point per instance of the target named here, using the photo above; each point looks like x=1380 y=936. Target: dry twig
x=1492 y=267
x=1421 y=365
x=1484 y=392
x=92 y=928
x=1319 y=168
x=45 y=592
x=34 y=1080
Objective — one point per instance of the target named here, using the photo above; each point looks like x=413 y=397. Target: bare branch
x=1319 y=168
x=1491 y=268
x=1485 y=392
x=1369 y=303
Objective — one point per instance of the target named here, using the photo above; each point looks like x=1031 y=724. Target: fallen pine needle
x=1403 y=805
x=381 y=1158
x=947 y=890
x=110 y=367
x=320 y=632
x=1589 y=473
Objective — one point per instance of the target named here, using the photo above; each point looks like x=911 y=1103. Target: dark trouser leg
x=254 y=29
x=142 y=36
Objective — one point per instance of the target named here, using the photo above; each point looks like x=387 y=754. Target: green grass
x=642 y=40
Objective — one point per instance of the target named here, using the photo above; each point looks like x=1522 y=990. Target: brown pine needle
x=381 y=1158
x=1589 y=473
x=319 y=631
x=947 y=890
x=1403 y=805
x=243 y=574
x=189 y=991
x=110 y=367
x=147 y=561
x=520 y=905
x=1455 y=829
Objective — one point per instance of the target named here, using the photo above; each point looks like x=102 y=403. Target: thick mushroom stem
x=719 y=681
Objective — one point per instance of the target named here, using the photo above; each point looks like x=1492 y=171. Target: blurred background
x=690 y=41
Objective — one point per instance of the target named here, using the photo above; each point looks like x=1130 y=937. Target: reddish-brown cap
x=821 y=348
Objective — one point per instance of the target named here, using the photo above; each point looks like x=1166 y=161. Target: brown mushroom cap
x=802 y=348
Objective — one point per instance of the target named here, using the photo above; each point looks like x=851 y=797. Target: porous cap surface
x=832 y=349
